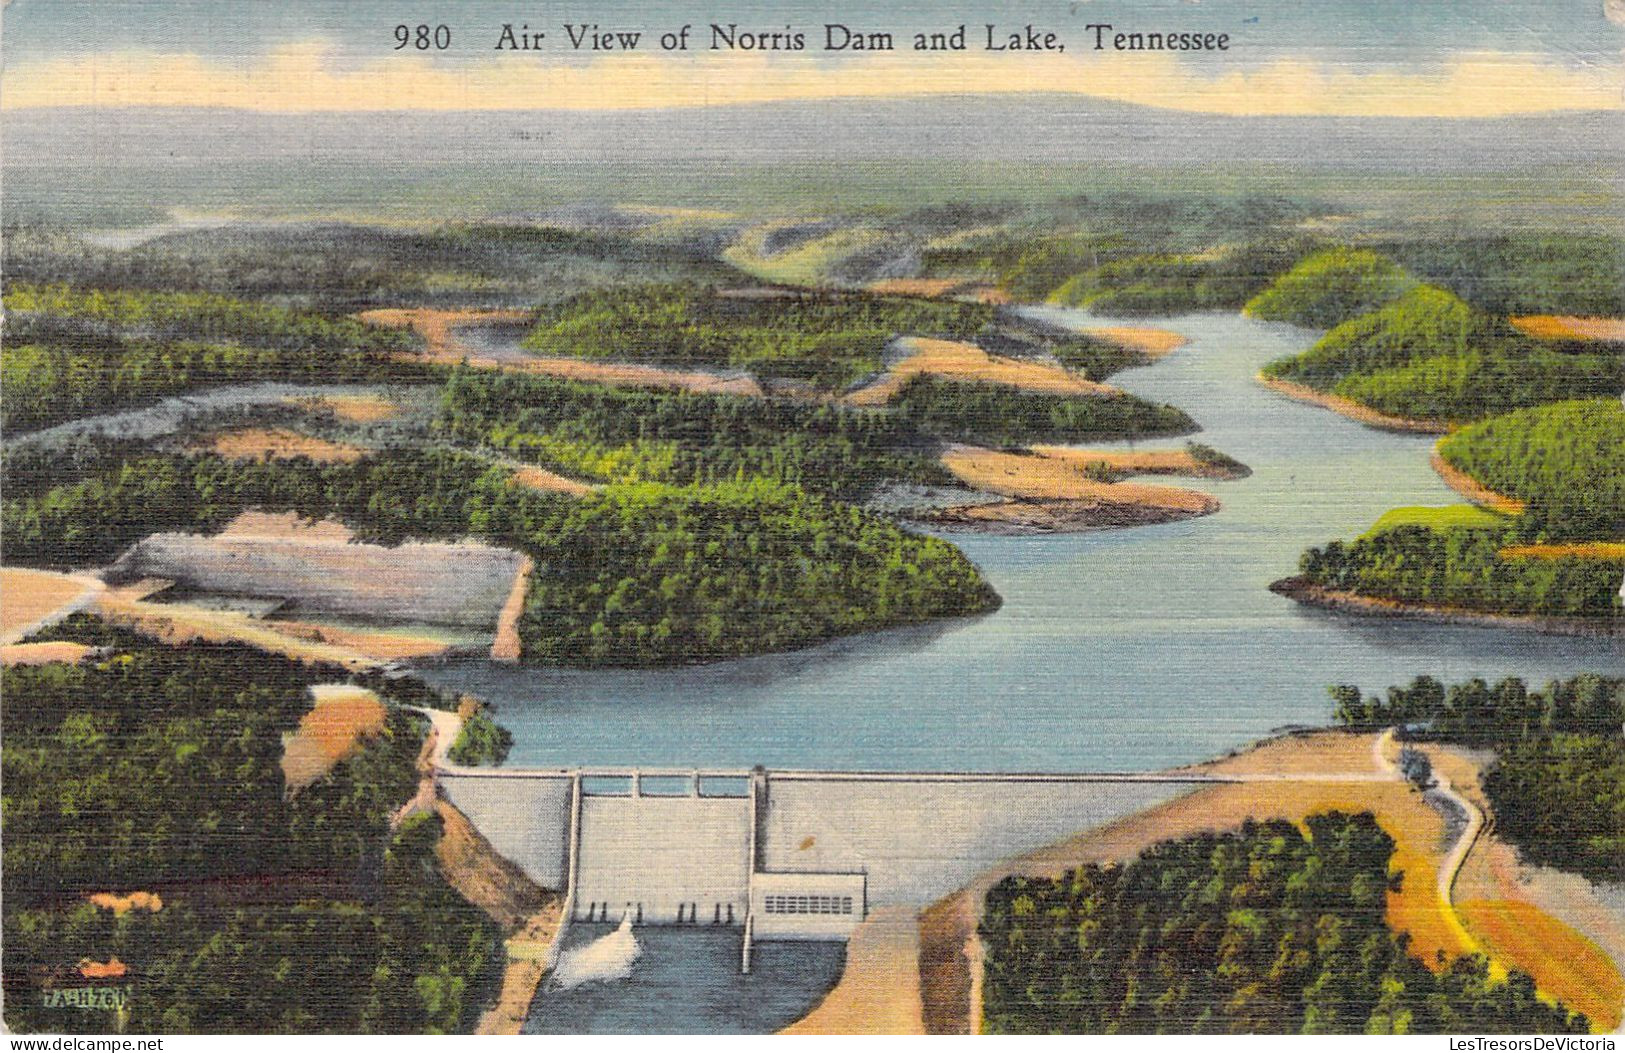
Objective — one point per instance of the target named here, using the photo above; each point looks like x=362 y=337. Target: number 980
x=422 y=37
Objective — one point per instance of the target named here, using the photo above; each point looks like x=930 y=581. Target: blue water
x=687 y=981
x=1129 y=649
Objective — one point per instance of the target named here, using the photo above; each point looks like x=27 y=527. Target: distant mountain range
x=1042 y=128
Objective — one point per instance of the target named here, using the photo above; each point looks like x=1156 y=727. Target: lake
x=1114 y=650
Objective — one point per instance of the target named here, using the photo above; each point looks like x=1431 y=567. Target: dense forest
x=831 y=341
x=1427 y=354
x=1463 y=567
x=1524 y=272
x=1565 y=460
x=72 y=353
x=344 y=267
x=641 y=574
x=995 y=415
x=1269 y=929
x=1330 y=287
x=155 y=769
x=1558 y=781
x=1222 y=278
x=625 y=435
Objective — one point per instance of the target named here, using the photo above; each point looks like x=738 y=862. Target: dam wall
x=815 y=849
x=445 y=584
x=918 y=837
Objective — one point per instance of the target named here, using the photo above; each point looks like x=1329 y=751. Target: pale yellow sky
x=302 y=78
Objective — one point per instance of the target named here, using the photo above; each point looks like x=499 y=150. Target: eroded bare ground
x=340 y=718
x=879 y=990
x=528 y=914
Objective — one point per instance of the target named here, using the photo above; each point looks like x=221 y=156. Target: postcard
x=833 y=518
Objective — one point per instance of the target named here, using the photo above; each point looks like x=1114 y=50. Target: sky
x=1452 y=58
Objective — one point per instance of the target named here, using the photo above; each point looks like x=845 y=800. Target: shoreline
x=1300 y=590
x=1353 y=410
x=1051 y=491
x=1472 y=489
x=1022 y=517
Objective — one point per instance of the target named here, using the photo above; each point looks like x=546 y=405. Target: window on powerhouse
x=809 y=904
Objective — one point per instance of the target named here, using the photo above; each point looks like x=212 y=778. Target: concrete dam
x=785 y=855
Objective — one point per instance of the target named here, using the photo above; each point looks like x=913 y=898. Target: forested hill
x=1266 y=930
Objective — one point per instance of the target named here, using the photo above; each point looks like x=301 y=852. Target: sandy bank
x=1154 y=343
x=505 y=645
x=1305 y=592
x=1571 y=327
x=1054 y=493
x=958 y=360
x=879 y=989
x=931 y=288
x=1472 y=489
x=175 y=623
x=1353 y=410
x=1143 y=462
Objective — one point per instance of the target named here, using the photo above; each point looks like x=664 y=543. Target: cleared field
x=1570 y=327
x=930 y=287
x=357 y=409
x=1437 y=518
x=537 y=478
x=262 y=444
x=29 y=598
x=436 y=326
x=955 y=360
x=342 y=716
x=256 y=523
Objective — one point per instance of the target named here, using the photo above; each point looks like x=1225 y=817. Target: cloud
x=307 y=78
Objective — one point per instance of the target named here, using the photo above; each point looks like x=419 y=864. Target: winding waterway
x=1116 y=650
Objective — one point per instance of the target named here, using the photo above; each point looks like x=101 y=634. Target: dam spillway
x=786 y=854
